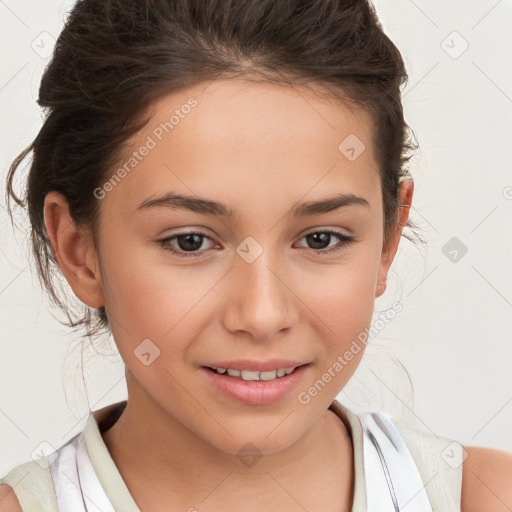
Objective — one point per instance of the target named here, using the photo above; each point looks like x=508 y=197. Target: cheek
x=149 y=295
x=149 y=298
x=344 y=313
x=340 y=303
x=342 y=294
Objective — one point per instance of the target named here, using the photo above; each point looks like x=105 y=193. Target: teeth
x=268 y=375
x=252 y=375
x=249 y=375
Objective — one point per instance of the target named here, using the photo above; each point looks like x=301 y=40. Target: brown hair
x=114 y=58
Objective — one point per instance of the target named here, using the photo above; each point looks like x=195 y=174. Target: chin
x=254 y=446
x=258 y=438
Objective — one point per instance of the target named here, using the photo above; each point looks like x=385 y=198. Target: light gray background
x=454 y=332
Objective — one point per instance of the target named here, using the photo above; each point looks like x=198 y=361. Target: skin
x=290 y=302
x=485 y=483
x=302 y=305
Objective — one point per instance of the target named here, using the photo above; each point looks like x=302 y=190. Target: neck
x=316 y=472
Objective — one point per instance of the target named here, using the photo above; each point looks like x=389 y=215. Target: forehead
x=233 y=137
x=240 y=111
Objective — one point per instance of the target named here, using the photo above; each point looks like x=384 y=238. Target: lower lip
x=255 y=392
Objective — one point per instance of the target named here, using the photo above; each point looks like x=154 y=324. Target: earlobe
x=381 y=287
x=405 y=193
x=73 y=249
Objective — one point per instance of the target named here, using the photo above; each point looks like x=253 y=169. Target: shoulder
x=28 y=486
x=439 y=462
x=486 y=480
x=8 y=500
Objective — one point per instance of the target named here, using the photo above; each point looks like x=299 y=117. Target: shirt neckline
x=118 y=493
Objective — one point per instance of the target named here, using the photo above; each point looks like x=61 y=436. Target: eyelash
x=345 y=240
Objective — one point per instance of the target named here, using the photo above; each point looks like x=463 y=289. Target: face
x=253 y=274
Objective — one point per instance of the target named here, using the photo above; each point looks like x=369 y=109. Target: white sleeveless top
x=395 y=466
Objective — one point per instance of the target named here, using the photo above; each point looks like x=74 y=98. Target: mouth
x=270 y=384
x=253 y=375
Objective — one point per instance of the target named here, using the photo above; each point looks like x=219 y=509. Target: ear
x=405 y=193
x=74 y=250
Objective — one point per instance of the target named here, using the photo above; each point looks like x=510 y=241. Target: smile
x=255 y=387
x=254 y=375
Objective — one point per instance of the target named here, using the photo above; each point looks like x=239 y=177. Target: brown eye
x=319 y=240
x=187 y=244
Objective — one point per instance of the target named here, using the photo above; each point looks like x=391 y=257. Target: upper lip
x=257 y=366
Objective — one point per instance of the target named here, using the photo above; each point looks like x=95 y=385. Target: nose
x=262 y=302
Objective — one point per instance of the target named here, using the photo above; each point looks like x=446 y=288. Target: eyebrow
x=205 y=206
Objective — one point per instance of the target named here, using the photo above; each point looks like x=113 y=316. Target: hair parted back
x=114 y=58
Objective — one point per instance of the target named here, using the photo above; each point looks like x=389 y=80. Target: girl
x=223 y=184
